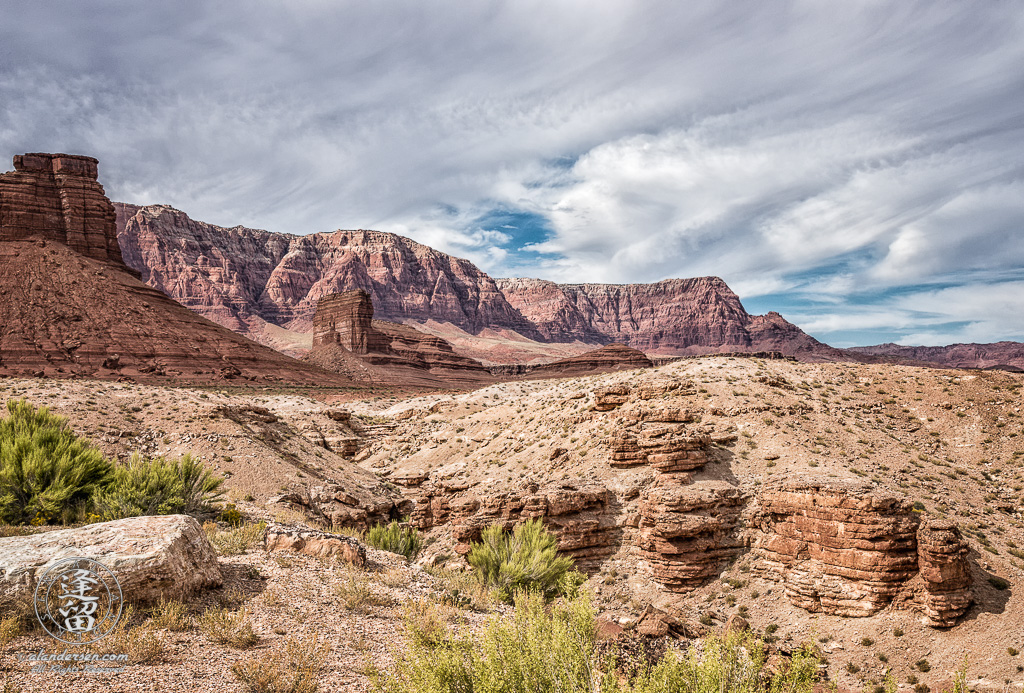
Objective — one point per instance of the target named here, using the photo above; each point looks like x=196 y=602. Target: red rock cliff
x=57 y=197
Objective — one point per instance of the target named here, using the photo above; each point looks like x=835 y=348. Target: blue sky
x=856 y=166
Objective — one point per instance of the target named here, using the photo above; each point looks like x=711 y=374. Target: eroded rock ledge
x=844 y=547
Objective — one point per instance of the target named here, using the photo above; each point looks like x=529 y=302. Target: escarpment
x=70 y=307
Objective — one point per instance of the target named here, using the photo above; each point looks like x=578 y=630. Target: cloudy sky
x=857 y=166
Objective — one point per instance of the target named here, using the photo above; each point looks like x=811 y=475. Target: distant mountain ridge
x=994 y=355
x=261 y=283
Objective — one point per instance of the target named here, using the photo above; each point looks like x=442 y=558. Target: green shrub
x=236 y=540
x=525 y=559
x=395 y=538
x=542 y=648
x=47 y=473
x=538 y=649
x=158 y=486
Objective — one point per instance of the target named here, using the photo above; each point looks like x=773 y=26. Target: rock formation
x=578 y=513
x=679 y=316
x=248 y=279
x=266 y=285
x=606 y=359
x=153 y=558
x=57 y=197
x=843 y=547
x=313 y=542
x=344 y=331
x=70 y=307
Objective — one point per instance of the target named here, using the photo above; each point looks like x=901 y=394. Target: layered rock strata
x=843 y=547
x=945 y=573
x=579 y=514
x=347 y=339
x=606 y=359
x=260 y=283
x=70 y=307
x=57 y=197
x=683 y=316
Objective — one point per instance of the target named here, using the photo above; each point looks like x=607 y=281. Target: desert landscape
x=510 y=347
x=773 y=487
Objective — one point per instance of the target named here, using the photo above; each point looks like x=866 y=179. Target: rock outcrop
x=70 y=307
x=57 y=197
x=345 y=333
x=153 y=558
x=680 y=316
x=313 y=542
x=267 y=285
x=843 y=547
x=579 y=514
x=945 y=592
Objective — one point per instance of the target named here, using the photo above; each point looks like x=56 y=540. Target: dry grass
x=171 y=615
x=228 y=627
x=356 y=593
x=293 y=668
x=236 y=540
x=140 y=642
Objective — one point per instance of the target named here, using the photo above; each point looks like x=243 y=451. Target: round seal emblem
x=78 y=601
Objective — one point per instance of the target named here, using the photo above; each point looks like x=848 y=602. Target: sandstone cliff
x=246 y=278
x=679 y=316
x=348 y=340
x=70 y=306
x=261 y=284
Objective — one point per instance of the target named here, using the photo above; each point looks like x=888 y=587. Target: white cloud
x=817 y=150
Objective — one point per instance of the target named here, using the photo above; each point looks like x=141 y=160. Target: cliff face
x=248 y=279
x=685 y=316
x=245 y=277
x=57 y=197
x=69 y=306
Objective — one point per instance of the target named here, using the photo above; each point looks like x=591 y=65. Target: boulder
x=153 y=557
x=316 y=543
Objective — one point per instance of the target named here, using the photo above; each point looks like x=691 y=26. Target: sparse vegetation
x=294 y=668
x=395 y=538
x=525 y=559
x=228 y=627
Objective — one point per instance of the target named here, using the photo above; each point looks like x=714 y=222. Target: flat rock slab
x=164 y=556
x=316 y=543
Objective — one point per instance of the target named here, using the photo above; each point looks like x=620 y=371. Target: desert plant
x=228 y=627
x=236 y=540
x=293 y=668
x=525 y=559
x=170 y=614
x=158 y=486
x=47 y=473
x=395 y=538
x=355 y=592
x=538 y=649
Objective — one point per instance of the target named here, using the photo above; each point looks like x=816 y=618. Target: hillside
x=266 y=285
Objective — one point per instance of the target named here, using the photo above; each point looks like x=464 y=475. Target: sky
x=857 y=166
